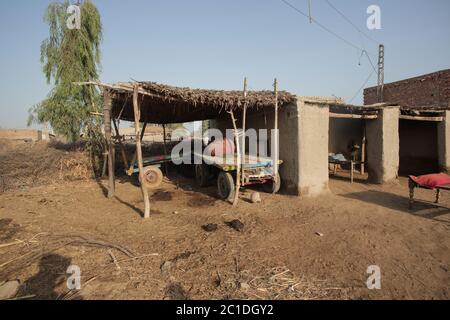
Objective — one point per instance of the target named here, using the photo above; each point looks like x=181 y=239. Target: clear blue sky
x=214 y=44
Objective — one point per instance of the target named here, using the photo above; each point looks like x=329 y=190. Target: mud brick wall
x=428 y=90
x=383 y=146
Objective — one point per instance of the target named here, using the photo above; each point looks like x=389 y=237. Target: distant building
x=25 y=135
x=430 y=90
x=424 y=123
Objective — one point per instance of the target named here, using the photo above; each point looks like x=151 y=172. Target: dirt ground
x=290 y=248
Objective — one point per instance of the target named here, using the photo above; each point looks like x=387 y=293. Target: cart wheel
x=153 y=177
x=225 y=186
x=273 y=186
x=202 y=175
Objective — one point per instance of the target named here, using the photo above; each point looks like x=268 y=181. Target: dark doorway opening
x=419 y=153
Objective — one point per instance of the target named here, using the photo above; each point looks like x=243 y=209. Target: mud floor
x=289 y=248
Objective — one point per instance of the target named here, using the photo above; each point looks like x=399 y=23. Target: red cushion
x=432 y=181
x=220 y=148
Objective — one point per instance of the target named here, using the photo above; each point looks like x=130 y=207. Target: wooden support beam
x=244 y=128
x=165 y=148
x=238 y=159
x=276 y=152
x=421 y=118
x=122 y=148
x=107 y=118
x=363 y=150
x=352 y=116
x=137 y=118
x=133 y=160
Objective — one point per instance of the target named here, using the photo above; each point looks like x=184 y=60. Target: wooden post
x=107 y=118
x=412 y=186
x=238 y=159
x=122 y=148
x=244 y=128
x=352 y=171
x=363 y=150
x=165 y=148
x=276 y=146
x=164 y=136
x=438 y=196
x=133 y=160
x=137 y=119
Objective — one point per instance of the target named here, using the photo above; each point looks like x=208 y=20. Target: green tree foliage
x=69 y=56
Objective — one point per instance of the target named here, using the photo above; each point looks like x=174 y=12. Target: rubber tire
x=272 y=187
x=202 y=175
x=154 y=177
x=225 y=186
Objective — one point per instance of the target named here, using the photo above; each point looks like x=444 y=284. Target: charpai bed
x=438 y=182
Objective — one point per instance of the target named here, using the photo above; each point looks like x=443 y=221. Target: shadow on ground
x=393 y=201
x=51 y=275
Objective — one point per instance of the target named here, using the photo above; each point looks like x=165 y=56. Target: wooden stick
x=438 y=196
x=244 y=122
x=412 y=187
x=363 y=151
x=165 y=148
x=418 y=118
x=352 y=171
x=122 y=148
x=114 y=259
x=276 y=147
x=238 y=159
x=137 y=117
x=133 y=161
x=11 y=244
x=352 y=116
x=107 y=113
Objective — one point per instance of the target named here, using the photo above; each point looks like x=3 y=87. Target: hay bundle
x=29 y=165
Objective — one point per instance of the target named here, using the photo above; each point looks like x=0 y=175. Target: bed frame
x=413 y=186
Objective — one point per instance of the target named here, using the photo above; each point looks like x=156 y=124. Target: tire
x=202 y=175
x=153 y=177
x=273 y=186
x=225 y=186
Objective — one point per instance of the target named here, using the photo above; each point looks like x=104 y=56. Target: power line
x=362 y=50
x=363 y=86
x=351 y=22
x=370 y=60
x=323 y=26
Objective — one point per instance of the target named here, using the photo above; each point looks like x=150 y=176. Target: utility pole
x=380 y=87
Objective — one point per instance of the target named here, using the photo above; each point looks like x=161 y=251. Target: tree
x=69 y=56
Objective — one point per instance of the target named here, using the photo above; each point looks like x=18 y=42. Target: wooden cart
x=256 y=170
x=152 y=170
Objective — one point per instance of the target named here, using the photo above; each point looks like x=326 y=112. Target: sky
x=214 y=44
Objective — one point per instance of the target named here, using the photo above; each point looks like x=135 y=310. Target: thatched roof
x=163 y=104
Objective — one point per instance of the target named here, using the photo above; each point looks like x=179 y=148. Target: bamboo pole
x=244 y=128
x=107 y=118
x=238 y=159
x=276 y=142
x=137 y=118
x=122 y=148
